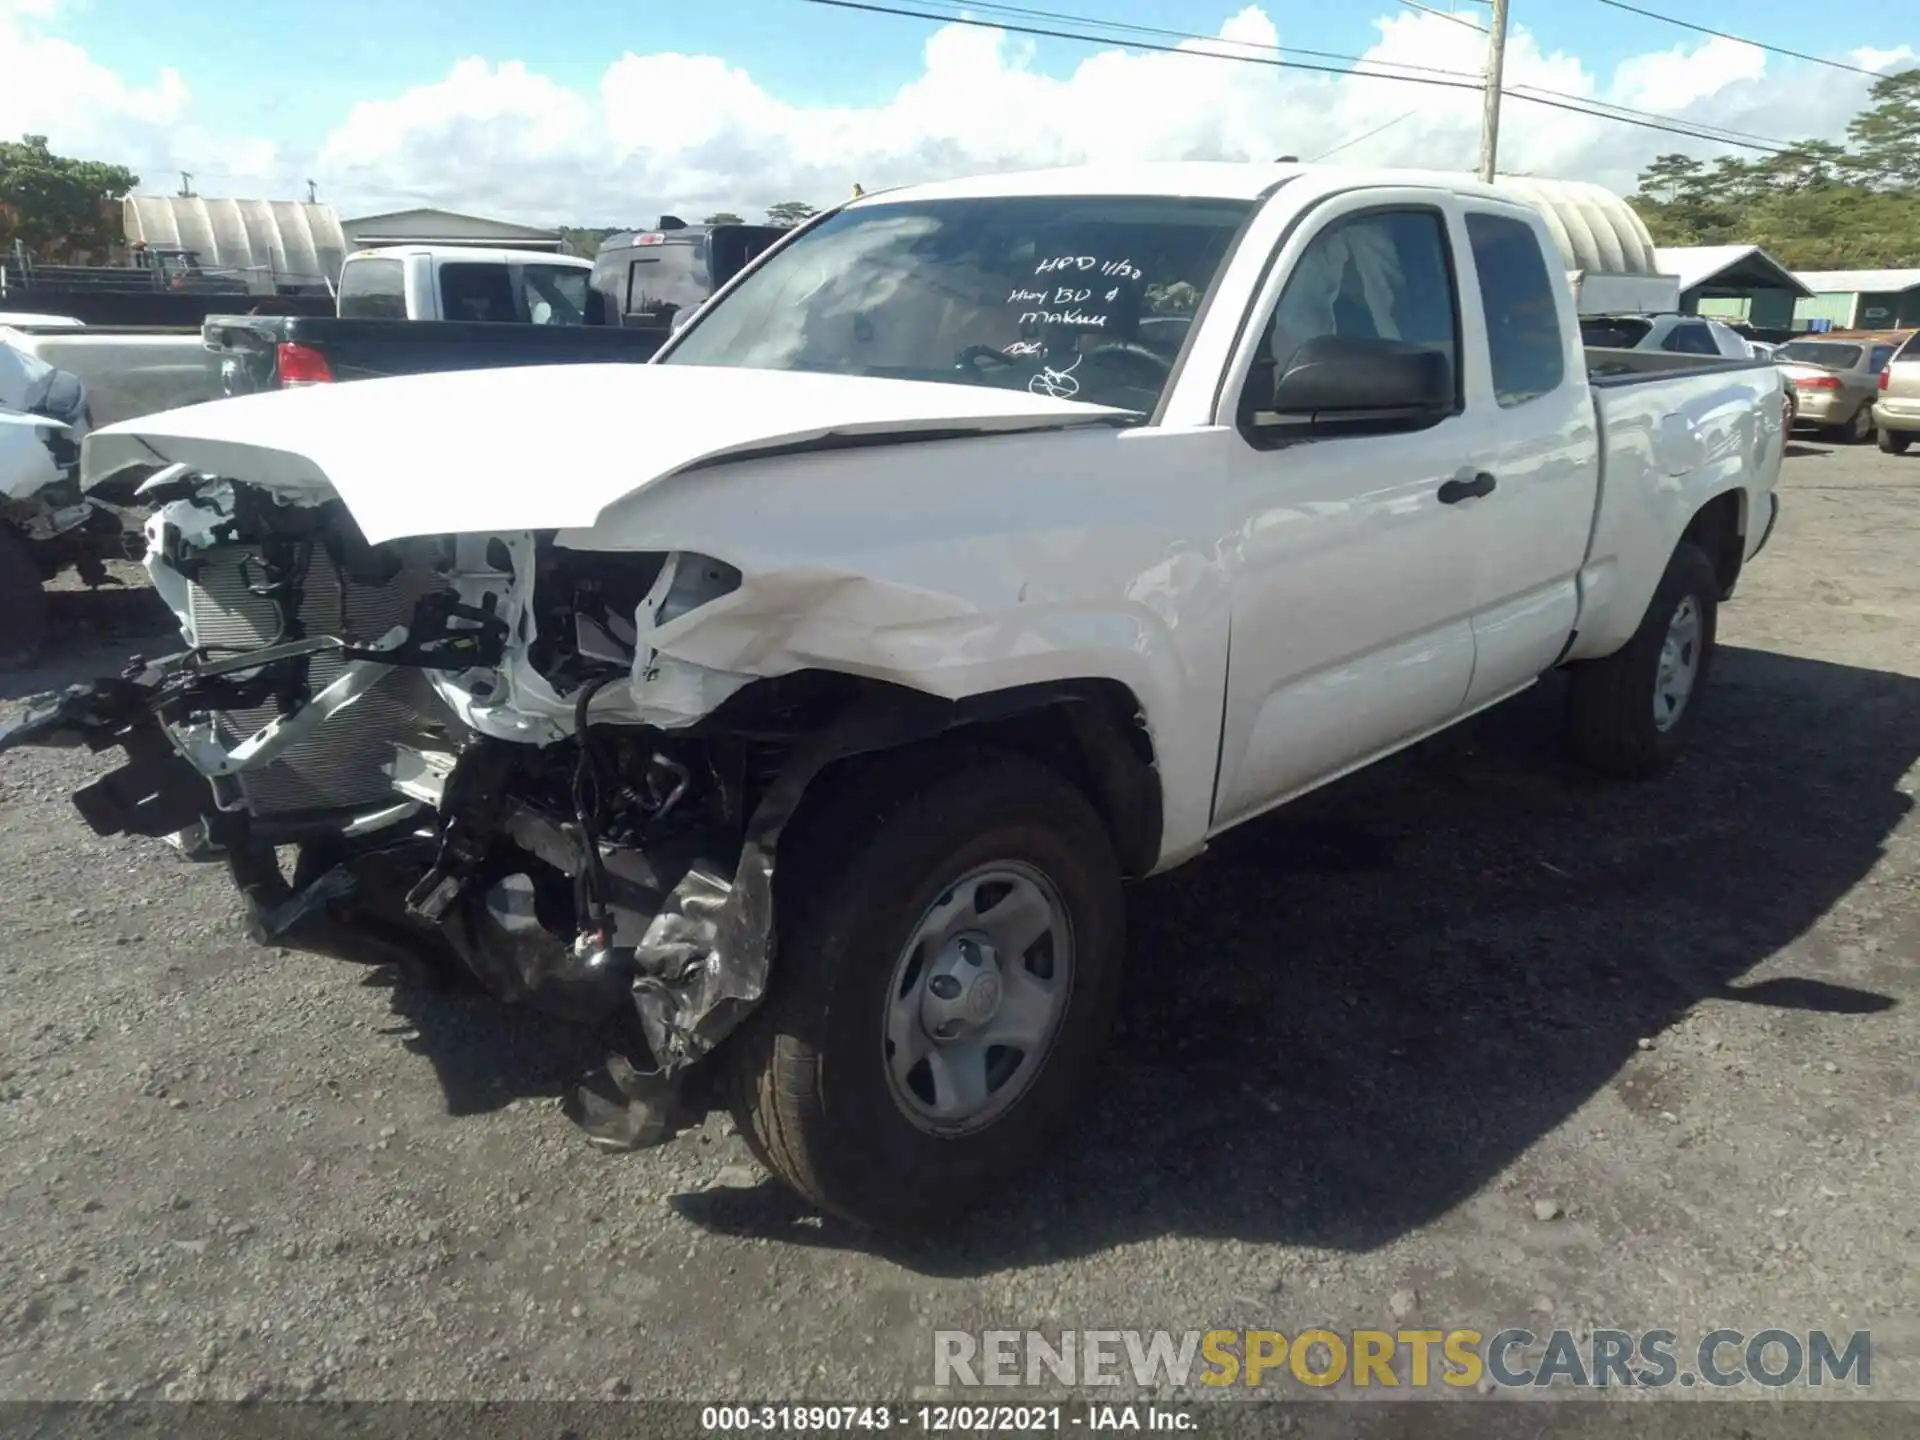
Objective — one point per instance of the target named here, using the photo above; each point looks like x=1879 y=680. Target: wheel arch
x=1719 y=527
x=1091 y=730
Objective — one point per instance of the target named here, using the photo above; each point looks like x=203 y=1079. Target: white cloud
x=50 y=86
x=692 y=133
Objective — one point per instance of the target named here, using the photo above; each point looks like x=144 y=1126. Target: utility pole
x=313 y=193
x=1490 y=113
x=186 y=186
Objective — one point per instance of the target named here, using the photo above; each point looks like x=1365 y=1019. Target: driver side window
x=1383 y=275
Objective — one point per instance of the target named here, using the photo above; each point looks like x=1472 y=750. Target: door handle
x=1456 y=490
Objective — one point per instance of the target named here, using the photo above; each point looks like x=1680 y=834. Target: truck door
x=1352 y=566
x=1535 y=434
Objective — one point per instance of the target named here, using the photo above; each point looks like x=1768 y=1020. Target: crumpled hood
x=537 y=448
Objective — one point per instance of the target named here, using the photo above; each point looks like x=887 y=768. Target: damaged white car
x=46 y=525
x=801 y=700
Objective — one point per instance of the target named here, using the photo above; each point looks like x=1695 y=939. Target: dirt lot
x=1368 y=1044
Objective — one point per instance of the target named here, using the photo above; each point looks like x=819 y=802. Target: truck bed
x=1674 y=429
x=243 y=350
x=1613 y=368
x=129 y=371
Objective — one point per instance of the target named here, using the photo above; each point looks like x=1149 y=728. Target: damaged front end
x=462 y=751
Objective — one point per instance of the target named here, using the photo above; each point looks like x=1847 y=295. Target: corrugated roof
x=1697 y=264
x=300 y=242
x=1842 y=282
x=390 y=220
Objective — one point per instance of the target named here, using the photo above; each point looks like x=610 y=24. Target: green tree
x=789 y=213
x=57 y=206
x=1816 y=205
x=1670 y=178
x=723 y=217
x=1810 y=165
x=584 y=240
x=1886 y=138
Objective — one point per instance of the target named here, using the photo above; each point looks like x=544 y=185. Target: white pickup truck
x=807 y=694
x=450 y=282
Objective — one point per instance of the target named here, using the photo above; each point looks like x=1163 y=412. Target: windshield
x=1083 y=299
x=1820 y=352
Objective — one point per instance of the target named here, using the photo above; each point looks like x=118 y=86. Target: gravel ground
x=1368 y=1045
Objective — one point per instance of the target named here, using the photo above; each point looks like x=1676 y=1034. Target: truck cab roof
x=471 y=254
x=1201 y=179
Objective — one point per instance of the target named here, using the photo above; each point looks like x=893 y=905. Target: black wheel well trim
x=832 y=719
x=1719 y=527
x=1090 y=730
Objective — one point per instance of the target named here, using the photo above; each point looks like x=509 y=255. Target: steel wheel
x=1860 y=428
x=977 y=997
x=1679 y=664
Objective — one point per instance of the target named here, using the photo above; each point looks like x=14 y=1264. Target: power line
x=1465 y=83
x=1628 y=114
x=1132 y=29
x=1444 y=15
x=1741 y=39
x=1368 y=135
x=1474 y=78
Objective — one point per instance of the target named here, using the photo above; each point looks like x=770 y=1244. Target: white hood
x=537 y=448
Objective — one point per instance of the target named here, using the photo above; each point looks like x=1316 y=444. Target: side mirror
x=597 y=308
x=1345 y=384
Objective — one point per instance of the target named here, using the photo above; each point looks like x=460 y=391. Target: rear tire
x=816 y=1076
x=1857 y=429
x=1895 y=442
x=1621 y=717
x=23 y=601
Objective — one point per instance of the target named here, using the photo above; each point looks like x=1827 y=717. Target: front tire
x=1895 y=442
x=1632 y=713
x=23 y=600
x=950 y=934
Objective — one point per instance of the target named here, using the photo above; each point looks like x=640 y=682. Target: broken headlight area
x=474 y=756
x=622 y=880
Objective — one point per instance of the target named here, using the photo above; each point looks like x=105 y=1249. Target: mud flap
x=620 y=1108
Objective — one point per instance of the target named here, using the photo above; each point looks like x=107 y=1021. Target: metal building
x=448 y=227
x=1609 y=254
x=1734 y=282
x=1861 y=299
x=273 y=242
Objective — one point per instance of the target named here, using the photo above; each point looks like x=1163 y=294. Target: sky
x=612 y=112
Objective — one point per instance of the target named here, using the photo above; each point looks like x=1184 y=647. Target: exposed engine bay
x=462 y=750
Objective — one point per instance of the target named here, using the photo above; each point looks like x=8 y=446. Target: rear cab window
x=477 y=291
x=1690 y=338
x=1610 y=333
x=664 y=279
x=1525 y=344
x=373 y=289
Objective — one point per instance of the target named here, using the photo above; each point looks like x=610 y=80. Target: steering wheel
x=1162 y=367
x=968 y=358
